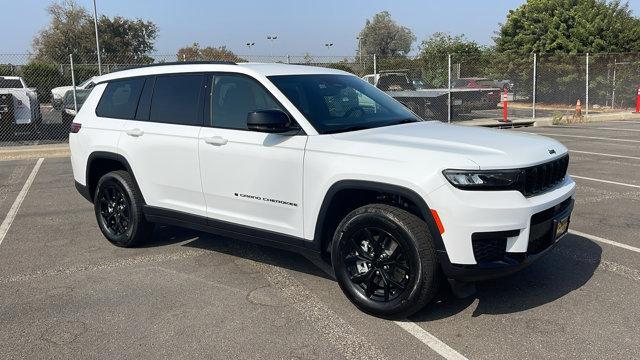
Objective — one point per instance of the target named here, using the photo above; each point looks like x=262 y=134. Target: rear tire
x=385 y=261
x=118 y=208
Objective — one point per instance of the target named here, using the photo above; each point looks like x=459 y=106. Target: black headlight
x=485 y=179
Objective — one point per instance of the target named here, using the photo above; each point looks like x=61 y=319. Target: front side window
x=176 y=99
x=120 y=98
x=338 y=103
x=233 y=97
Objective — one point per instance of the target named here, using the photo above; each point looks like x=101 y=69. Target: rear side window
x=176 y=99
x=120 y=99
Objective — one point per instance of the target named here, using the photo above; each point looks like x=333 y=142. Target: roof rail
x=178 y=63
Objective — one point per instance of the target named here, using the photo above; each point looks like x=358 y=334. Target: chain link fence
x=37 y=103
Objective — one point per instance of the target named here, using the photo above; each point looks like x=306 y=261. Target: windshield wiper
x=371 y=126
x=402 y=121
x=348 y=128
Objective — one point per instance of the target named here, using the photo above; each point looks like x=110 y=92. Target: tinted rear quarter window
x=120 y=99
x=176 y=99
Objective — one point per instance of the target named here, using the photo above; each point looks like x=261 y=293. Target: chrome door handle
x=215 y=140
x=135 y=132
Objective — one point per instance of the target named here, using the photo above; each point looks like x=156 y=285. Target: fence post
x=375 y=68
x=613 y=93
x=535 y=71
x=73 y=83
x=288 y=59
x=449 y=91
x=587 y=89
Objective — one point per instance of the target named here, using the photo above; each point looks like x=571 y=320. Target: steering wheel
x=349 y=112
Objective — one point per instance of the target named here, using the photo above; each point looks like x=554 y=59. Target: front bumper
x=517 y=227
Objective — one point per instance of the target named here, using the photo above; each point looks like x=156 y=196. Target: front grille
x=540 y=178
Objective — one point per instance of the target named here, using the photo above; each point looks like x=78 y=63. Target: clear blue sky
x=301 y=25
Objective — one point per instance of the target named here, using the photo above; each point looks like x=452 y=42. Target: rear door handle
x=135 y=132
x=215 y=140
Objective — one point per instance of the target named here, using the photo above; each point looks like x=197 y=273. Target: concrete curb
x=35 y=151
x=548 y=121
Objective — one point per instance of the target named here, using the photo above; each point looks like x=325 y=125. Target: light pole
x=95 y=24
x=360 y=49
x=271 y=39
x=250 y=45
x=328 y=45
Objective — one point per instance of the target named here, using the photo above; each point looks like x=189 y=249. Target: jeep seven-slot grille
x=540 y=178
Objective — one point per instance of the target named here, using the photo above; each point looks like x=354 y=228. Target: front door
x=249 y=178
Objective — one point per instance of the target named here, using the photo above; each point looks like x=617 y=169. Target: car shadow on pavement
x=249 y=251
x=165 y=235
x=564 y=269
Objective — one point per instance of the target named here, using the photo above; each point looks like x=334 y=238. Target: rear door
x=161 y=142
x=249 y=178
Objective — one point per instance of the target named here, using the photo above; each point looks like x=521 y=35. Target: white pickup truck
x=19 y=105
x=58 y=94
x=432 y=103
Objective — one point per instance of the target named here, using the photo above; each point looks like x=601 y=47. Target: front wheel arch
x=323 y=234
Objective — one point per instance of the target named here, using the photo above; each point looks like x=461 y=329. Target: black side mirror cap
x=269 y=121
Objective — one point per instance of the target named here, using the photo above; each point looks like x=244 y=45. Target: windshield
x=86 y=82
x=10 y=84
x=338 y=103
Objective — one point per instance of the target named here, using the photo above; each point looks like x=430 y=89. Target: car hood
x=61 y=90
x=439 y=142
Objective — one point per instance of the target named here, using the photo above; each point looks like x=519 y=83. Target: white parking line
x=602 y=154
x=11 y=215
x=594 y=128
x=586 y=137
x=605 y=241
x=605 y=181
x=412 y=328
x=625 y=121
x=431 y=341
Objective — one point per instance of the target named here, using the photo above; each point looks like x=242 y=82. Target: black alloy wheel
x=118 y=207
x=115 y=210
x=384 y=260
x=377 y=264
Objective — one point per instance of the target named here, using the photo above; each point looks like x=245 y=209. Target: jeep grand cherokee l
x=317 y=160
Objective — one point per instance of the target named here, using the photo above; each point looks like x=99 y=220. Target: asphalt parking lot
x=65 y=292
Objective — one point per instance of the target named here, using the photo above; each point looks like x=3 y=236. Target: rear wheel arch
x=346 y=195
x=100 y=163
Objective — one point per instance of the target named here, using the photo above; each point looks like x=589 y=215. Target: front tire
x=118 y=208
x=385 y=261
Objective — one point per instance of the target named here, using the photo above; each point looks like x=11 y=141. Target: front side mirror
x=269 y=121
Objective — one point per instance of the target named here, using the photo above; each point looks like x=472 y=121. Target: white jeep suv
x=317 y=160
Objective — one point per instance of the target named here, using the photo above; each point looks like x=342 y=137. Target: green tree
x=434 y=53
x=125 y=41
x=561 y=30
x=210 y=53
x=385 y=38
x=570 y=26
x=71 y=31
